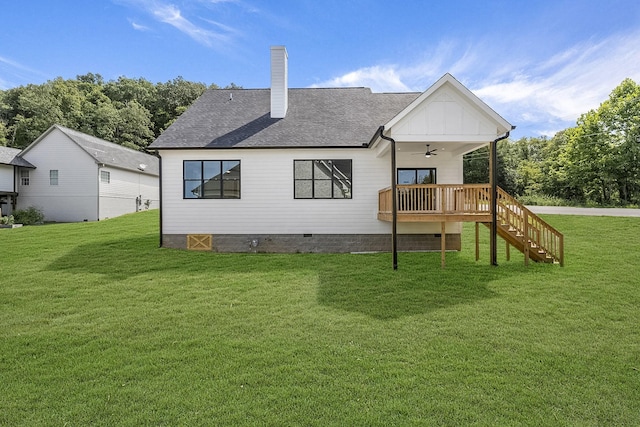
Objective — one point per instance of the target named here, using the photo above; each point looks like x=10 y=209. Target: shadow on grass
x=370 y=286
x=120 y=259
x=355 y=283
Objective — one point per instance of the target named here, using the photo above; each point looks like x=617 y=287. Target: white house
x=10 y=164
x=309 y=164
x=313 y=170
x=78 y=177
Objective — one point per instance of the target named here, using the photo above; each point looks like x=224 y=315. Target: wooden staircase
x=527 y=232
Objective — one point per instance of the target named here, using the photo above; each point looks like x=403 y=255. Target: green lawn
x=100 y=327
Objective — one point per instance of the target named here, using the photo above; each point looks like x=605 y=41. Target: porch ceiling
x=454 y=148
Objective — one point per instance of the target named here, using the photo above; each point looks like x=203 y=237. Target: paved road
x=564 y=210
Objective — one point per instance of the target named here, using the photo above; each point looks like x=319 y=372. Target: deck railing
x=472 y=202
x=530 y=227
x=437 y=199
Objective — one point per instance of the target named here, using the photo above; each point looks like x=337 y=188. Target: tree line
x=597 y=162
x=126 y=111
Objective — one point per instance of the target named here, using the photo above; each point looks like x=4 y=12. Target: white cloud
x=378 y=78
x=568 y=84
x=172 y=15
x=138 y=27
x=540 y=96
x=16 y=71
x=169 y=14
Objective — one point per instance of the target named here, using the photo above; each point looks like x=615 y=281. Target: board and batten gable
x=447 y=112
x=75 y=198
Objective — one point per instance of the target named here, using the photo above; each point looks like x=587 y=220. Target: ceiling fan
x=429 y=152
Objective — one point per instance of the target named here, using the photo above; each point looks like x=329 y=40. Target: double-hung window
x=24 y=177
x=322 y=179
x=105 y=177
x=53 y=177
x=211 y=179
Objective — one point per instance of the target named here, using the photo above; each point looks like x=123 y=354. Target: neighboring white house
x=78 y=177
x=288 y=170
x=10 y=164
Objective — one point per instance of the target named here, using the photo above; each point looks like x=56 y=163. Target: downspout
x=98 y=178
x=160 y=193
x=493 y=244
x=394 y=207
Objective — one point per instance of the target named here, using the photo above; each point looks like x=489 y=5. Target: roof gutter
x=394 y=207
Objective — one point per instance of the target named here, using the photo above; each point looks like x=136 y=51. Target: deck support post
x=443 y=243
x=493 y=171
x=525 y=239
x=477 y=241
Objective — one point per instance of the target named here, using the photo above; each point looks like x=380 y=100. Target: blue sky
x=540 y=64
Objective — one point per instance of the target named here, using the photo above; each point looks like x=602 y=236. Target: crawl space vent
x=199 y=242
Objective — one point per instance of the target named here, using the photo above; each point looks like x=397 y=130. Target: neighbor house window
x=24 y=177
x=53 y=177
x=105 y=177
x=211 y=179
x=417 y=176
x=322 y=179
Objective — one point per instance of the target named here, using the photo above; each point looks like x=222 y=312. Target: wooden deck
x=437 y=203
x=517 y=225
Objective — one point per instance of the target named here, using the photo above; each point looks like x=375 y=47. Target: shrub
x=543 y=200
x=7 y=220
x=29 y=216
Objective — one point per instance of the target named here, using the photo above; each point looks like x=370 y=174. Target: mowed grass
x=98 y=326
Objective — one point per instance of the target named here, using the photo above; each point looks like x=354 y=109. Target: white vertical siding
x=6 y=178
x=118 y=197
x=267 y=203
x=75 y=196
x=6 y=184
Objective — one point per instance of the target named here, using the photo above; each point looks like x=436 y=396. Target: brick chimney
x=279 y=84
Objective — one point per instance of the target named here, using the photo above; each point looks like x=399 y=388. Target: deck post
x=443 y=243
x=525 y=238
x=477 y=241
x=493 y=171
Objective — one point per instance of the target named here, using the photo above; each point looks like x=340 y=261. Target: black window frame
x=202 y=180
x=398 y=170
x=333 y=180
x=105 y=177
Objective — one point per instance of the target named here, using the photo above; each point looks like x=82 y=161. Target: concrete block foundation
x=317 y=243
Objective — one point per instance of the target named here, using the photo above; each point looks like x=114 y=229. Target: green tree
x=135 y=129
x=173 y=98
x=603 y=151
x=476 y=167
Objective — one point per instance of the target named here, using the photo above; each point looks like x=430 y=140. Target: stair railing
x=536 y=234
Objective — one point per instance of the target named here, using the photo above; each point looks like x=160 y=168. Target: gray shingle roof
x=113 y=154
x=11 y=156
x=336 y=117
